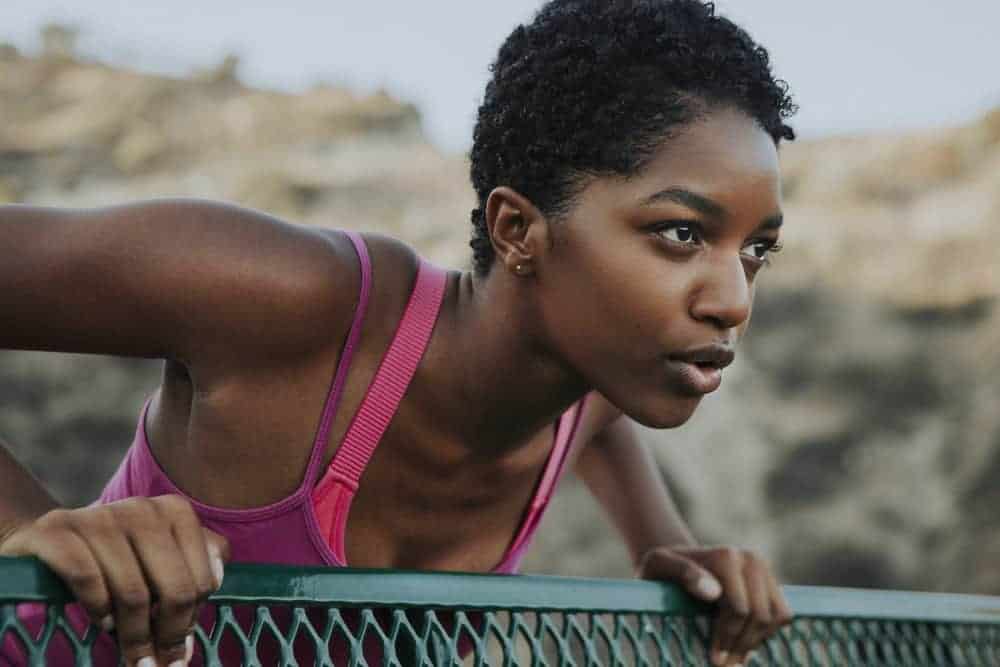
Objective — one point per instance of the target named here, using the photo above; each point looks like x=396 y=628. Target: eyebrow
x=704 y=205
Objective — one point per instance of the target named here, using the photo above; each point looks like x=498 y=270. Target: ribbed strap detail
x=346 y=356
x=393 y=376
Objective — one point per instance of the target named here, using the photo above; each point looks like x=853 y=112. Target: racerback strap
x=392 y=378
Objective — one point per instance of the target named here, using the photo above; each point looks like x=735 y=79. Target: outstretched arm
x=189 y=280
x=622 y=474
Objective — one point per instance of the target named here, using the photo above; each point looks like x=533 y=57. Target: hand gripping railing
x=266 y=615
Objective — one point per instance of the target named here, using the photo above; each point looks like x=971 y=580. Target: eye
x=761 y=249
x=681 y=232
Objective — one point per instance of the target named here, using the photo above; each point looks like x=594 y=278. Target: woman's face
x=650 y=281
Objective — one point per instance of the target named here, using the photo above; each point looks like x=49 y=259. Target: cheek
x=621 y=315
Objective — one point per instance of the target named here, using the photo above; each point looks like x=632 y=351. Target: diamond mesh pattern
x=305 y=631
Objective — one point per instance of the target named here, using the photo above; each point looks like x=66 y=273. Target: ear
x=518 y=230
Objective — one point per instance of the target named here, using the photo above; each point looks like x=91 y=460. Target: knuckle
x=99 y=526
x=178 y=599
x=724 y=556
x=740 y=614
x=173 y=505
x=762 y=622
x=130 y=510
x=82 y=577
x=56 y=519
x=731 y=555
x=133 y=598
x=204 y=590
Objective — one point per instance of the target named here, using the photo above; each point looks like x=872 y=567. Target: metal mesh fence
x=282 y=616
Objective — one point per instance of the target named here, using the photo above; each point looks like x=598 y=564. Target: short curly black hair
x=593 y=87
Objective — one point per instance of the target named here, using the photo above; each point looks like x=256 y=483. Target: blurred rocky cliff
x=855 y=442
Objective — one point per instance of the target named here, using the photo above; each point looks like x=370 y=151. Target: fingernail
x=146 y=662
x=218 y=571
x=721 y=657
x=709 y=587
x=188 y=648
x=177 y=663
x=107 y=623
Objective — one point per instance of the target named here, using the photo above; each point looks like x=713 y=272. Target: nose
x=724 y=296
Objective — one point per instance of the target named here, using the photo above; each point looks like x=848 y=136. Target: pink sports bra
x=333 y=494
x=311 y=521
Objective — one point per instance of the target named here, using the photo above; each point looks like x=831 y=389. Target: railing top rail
x=25 y=579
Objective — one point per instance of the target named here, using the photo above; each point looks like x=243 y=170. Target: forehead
x=722 y=155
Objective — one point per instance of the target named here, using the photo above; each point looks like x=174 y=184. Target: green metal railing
x=266 y=615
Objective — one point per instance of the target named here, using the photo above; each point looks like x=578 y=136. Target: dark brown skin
x=232 y=299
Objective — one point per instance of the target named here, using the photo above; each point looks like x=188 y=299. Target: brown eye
x=681 y=233
x=760 y=250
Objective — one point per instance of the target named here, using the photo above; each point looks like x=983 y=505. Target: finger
x=666 y=565
x=734 y=604
x=726 y=628
x=71 y=559
x=173 y=585
x=781 y=611
x=130 y=594
x=739 y=660
x=759 y=623
x=218 y=549
x=201 y=558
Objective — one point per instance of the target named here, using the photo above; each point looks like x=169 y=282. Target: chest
x=467 y=516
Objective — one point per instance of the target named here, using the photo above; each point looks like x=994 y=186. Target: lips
x=709 y=356
x=698 y=371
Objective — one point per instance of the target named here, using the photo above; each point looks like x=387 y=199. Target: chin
x=671 y=413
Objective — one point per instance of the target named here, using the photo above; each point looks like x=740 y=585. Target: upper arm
x=179 y=279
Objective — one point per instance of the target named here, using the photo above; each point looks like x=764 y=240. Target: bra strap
x=346 y=355
x=392 y=378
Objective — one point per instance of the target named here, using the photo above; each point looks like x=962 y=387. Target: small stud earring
x=520 y=269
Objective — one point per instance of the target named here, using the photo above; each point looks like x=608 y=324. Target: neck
x=493 y=379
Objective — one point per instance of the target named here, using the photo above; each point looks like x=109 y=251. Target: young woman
x=625 y=160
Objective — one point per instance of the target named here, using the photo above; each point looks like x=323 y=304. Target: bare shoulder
x=389 y=255
x=265 y=292
x=394 y=266
x=282 y=278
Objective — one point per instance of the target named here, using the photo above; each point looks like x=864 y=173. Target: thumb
x=218 y=552
x=664 y=564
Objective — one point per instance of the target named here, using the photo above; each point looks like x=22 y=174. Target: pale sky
x=853 y=65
